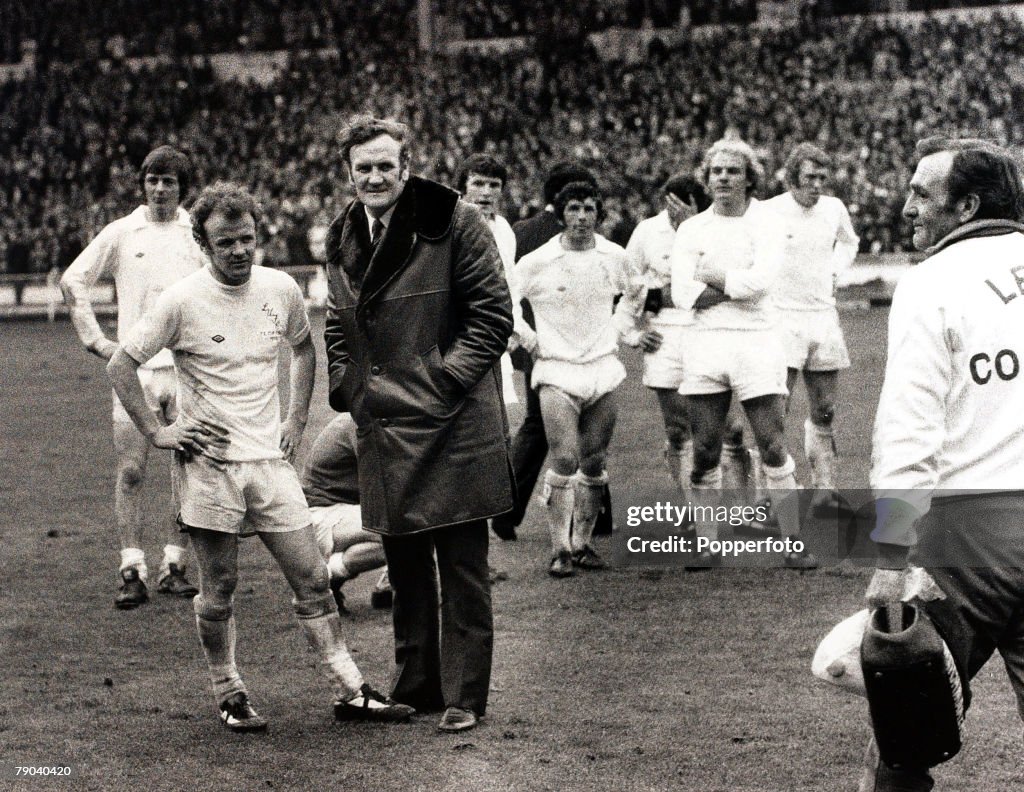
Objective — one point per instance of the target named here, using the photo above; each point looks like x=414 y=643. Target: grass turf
x=639 y=678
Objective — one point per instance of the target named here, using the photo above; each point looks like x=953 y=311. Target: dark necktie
x=376 y=232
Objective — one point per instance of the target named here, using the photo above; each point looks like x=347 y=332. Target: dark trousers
x=444 y=630
x=529 y=449
x=974 y=549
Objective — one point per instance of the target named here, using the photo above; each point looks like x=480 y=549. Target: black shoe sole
x=187 y=594
x=242 y=728
x=347 y=715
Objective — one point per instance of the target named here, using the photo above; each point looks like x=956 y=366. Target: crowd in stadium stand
x=71 y=137
x=74 y=29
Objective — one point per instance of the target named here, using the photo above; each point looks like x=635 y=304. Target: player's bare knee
x=822 y=415
x=706 y=456
x=315 y=605
x=733 y=434
x=314 y=583
x=593 y=464
x=212 y=607
x=773 y=451
x=130 y=475
x=219 y=586
x=677 y=435
x=564 y=463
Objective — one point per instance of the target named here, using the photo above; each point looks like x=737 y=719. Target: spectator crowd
x=864 y=89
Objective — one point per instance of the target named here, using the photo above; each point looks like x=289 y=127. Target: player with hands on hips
x=225 y=325
x=144 y=253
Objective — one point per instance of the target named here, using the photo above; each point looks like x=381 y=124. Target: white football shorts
x=338 y=527
x=813 y=340
x=581 y=383
x=664 y=368
x=750 y=363
x=240 y=497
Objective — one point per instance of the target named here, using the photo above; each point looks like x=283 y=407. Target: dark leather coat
x=414 y=333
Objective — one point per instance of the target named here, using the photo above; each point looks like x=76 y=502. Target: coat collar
x=973 y=230
x=425 y=209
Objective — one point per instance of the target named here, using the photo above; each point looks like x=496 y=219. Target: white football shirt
x=226 y=341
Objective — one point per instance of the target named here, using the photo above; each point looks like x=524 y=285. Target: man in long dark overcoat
x=418 y=317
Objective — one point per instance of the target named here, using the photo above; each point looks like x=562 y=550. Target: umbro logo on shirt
x=140 y=254
x=218 y=338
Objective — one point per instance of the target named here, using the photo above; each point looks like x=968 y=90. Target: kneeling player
x=571 y=283
x=330 y=483
x=224 y=324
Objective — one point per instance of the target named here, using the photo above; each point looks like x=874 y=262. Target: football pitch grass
x=637 y=678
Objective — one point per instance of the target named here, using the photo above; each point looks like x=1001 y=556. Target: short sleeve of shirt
x=522 y=276
x=158 y=328
x=298 y=319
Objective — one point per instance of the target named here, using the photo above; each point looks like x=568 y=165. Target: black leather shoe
x=456 y=719
x=239 y=716
x=175 y=584
x=371 y=705
x=132 y=591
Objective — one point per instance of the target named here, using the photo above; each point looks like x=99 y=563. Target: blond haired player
x=724 y=264
x=225 y=326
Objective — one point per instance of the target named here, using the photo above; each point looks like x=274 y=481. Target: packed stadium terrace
x=866 y=88
x=72 y=29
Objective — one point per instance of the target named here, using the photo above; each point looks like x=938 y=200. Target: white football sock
x=587 y=506
x=820 y=447
x=134 y=557
x=781 y=483
x=216 y=627
x=322 y=625
x=707 y=496
x=680 y=465
x=336 y=566
x=757 y=476
x=559 y=497
x=173 y=554
x=735 y=472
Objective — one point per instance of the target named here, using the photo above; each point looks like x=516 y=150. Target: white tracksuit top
x=951 y=413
